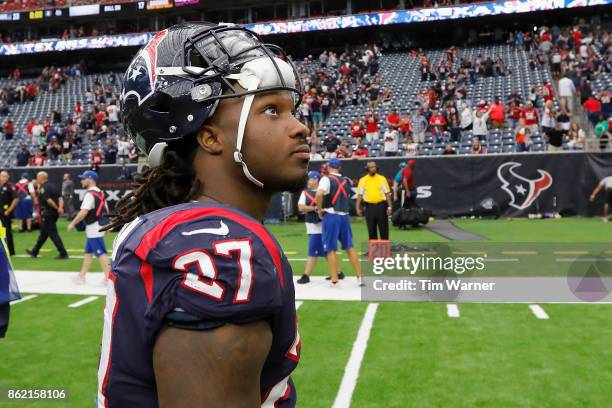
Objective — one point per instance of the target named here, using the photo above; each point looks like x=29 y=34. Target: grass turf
x=493 y=355
x=293 y=239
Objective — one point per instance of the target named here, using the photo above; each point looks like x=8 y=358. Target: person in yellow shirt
x=374 y=193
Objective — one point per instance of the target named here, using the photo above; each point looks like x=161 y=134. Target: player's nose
x=297 y=129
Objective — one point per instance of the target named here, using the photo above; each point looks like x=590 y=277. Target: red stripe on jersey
x=157 y=233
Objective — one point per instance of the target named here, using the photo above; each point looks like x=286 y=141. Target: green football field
x=416 y=355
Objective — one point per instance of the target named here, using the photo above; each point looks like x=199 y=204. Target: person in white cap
x=93 y=212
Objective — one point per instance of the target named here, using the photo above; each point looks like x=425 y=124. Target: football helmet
x=174 y=83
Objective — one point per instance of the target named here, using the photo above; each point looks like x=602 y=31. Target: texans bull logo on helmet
x=141 y=72
x=522 y=191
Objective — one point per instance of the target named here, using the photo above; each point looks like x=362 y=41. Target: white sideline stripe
x=82 y=302
x=351 y=372
x=23 y=299
x=583 y=259
x=452 y=310
x=298 y=303
x=538 y=312
x=28 y=256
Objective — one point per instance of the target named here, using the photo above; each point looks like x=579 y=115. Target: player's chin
x=293 y=177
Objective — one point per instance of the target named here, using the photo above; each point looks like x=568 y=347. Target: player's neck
x=251 y=201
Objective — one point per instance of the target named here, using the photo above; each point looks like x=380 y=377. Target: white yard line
x=23 y=299
x=452 y=310
x=82 y=302
x=351 y=372
x=538 y=311
x=298 y=303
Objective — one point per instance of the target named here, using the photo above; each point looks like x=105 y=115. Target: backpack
x=414 y=216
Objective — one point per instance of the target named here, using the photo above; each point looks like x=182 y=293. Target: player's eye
x=271 y=110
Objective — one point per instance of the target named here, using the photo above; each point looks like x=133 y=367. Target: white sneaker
x=360 y=281
x=605 y=219
x=78 y=280
x=334 y=285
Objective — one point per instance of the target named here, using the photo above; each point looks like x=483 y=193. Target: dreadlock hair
x=173 y=182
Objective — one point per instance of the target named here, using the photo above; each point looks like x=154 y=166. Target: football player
x=200 y=309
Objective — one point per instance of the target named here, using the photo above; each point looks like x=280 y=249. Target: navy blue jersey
x=338 y=196
x=311 y=217
x=211 y=262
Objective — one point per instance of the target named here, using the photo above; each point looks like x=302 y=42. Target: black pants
x=48 y=229
x=376 y=216
x=6 y=223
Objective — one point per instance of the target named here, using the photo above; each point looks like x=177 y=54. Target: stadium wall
x=509 y=185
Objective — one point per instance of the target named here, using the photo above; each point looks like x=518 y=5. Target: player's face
x=274 y=144
x=4 y=178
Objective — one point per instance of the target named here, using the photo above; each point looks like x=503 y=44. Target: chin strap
x=253 y=83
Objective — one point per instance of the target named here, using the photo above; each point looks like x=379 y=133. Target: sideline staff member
x=8 y=202
x=604 y=184
x=51 y=206
x=373 y=190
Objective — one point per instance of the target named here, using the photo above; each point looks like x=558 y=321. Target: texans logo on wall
x=522 y=191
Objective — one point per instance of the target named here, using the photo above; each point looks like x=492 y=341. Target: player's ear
x=208 y=138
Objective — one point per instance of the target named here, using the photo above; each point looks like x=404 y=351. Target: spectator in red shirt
x=30 y=125
x=404 y=125
x=31 y=90
x=437 y=122
x=577 y=35
x=530 y=114
x=515 y=113
x=357 y=129
x=39 y=159
x=9 y=130
x=78 y=109
x=97 y=158
x=497 y=115
x=545 y=37
x=408 y=185
x=548 y=93
x=593 y=108
x=371 y=123
x=360 y=150
x=99 y=118
x=393 y=119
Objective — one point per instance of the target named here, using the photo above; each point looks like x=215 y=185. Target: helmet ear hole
x=161 y=103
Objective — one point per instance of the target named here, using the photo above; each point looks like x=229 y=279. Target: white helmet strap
x=244 y=115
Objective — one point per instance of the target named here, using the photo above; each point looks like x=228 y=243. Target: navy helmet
x=174 y=83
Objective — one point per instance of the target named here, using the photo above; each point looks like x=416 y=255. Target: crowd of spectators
x=442 y=110
x=60 y=136
x=352 y=78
